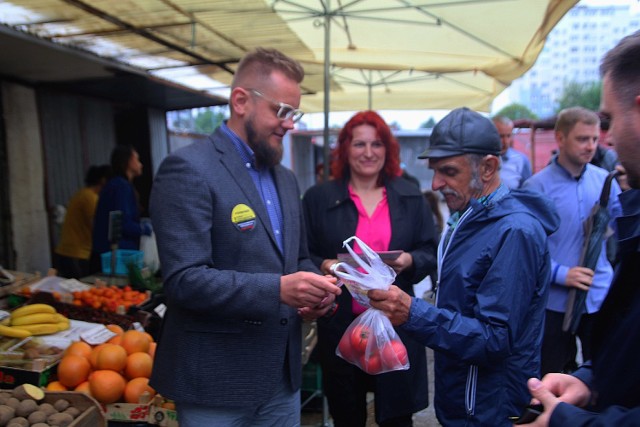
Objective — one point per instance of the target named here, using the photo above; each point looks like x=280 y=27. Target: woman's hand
x=404 y=261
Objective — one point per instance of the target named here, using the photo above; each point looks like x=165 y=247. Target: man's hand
x=404 y=261
x=553 y=389
x=580 y=278
x=394 y=303
x=305 y=289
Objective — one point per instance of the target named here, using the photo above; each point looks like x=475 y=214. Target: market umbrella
x=595 y=227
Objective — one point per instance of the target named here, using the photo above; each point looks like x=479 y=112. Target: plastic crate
x=123 y=257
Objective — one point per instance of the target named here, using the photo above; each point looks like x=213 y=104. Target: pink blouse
x=375 y=231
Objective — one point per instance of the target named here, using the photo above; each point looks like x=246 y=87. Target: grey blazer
x=226 y=337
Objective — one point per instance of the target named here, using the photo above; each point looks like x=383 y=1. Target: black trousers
x=559 y=349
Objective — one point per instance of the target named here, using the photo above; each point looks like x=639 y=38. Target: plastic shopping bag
x=375 y=273
x=371 y=343
x=150 y=252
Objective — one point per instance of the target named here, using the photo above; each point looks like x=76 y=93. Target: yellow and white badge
x=243 y=217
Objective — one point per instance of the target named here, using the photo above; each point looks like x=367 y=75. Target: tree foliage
x=585 y=95
x=207 y=121
x=517 y=111
x=428 y=124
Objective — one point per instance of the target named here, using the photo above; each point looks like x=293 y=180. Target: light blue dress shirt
x=515 y=169
x=574 y=198
x=265 y=184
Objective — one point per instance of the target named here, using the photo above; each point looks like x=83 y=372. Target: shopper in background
x=494 y=269
x=237 y=277
x=606 y=391
x=368 y=198
x=74 y=249
x=516 y=167
x=118 y=194
x=575 y=187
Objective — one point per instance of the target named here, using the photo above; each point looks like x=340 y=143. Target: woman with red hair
x=368 y=198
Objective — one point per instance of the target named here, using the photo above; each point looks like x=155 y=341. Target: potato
x=74 y=412
x=26 y=407
x=28 y=391
x=60 y=419
x=61 y=405
x=13 y=402
x=18 y=422
x=6 y=413
x=40 y=425
x=37 y=417
x=47 y=408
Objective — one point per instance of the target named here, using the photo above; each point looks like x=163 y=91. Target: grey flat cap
x=460 y=132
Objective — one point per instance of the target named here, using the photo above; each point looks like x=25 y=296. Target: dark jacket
x=331 y=217
x=614 y=373
x=486 y=329
x=226 y=336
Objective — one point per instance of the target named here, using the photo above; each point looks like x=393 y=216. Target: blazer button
x=284 y=321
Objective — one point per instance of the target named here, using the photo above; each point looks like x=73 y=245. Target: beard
x=266 y=155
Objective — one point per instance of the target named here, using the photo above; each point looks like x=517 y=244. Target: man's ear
x=238 y=101
x=490 y=167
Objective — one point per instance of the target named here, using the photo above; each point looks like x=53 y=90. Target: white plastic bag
x=150 y=252
x=376 y=275
x=370 y=342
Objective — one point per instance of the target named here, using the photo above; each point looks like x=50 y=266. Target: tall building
x=572 y=53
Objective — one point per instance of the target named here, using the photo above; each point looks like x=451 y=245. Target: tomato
x=371 y=365
x=344 y=347
x=394 y=354
x=359 y=338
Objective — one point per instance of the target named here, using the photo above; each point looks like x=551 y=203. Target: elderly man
x=608 y=388
x=486 y=327
x=516 y=168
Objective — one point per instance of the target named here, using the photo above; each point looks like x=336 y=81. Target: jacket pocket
x=470 y=390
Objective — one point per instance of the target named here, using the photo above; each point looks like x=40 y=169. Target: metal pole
x=327 y=88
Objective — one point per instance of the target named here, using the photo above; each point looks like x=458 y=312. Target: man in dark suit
x=237 y=277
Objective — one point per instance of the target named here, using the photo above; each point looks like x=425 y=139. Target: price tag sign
x=98 y=335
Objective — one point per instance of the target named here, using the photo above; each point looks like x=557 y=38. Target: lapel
x=287 y=193
x=232 y=161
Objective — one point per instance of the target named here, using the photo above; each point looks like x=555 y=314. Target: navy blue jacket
x=614 y=373
x=486 y=328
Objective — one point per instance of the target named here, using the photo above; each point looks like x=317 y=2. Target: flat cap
x=460 y=132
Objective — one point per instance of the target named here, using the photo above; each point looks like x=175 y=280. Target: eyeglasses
x=285 y=111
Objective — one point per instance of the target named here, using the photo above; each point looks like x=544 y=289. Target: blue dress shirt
x=515 y=169
x=574 y=198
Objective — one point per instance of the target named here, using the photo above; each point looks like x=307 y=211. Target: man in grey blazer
x=237 y=277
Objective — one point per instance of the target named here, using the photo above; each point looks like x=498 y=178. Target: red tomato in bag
x=371 y=365
x=345 y=347
x=394 y=354
x=359 y=338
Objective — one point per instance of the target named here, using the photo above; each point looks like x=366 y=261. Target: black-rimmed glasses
x=285 y=111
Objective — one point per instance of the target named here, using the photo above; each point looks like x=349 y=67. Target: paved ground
x=424 y=418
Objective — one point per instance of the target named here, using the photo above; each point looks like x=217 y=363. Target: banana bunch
x=33 y=319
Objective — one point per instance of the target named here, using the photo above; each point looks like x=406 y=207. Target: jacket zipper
x=470 y=391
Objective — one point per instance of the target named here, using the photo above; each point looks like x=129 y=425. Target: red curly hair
x=340 y=164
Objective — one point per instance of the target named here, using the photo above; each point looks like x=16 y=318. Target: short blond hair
x=259 y=64
x=568 y=118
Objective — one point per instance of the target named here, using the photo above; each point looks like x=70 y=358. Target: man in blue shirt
x=575 y=186
x=516 y=168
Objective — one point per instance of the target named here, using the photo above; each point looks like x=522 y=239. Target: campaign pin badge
x=243 y=217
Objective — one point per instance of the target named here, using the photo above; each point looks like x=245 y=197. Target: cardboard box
x=127 y=412
x=91 y=414
x=28 y=360
x=163 y=417
x=11 y=376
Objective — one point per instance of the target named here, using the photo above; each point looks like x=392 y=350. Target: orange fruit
x=93 y=357
x=152 y=349
x=106 y=386
x=79 y=348
x=83 y=387
x=135 y=388
x=138 y=365
x=73 y=370
x=115 y=329
x=134 y=341
x=149 y=337
x=111 y=356
x=115 y=340
x=55 y=386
